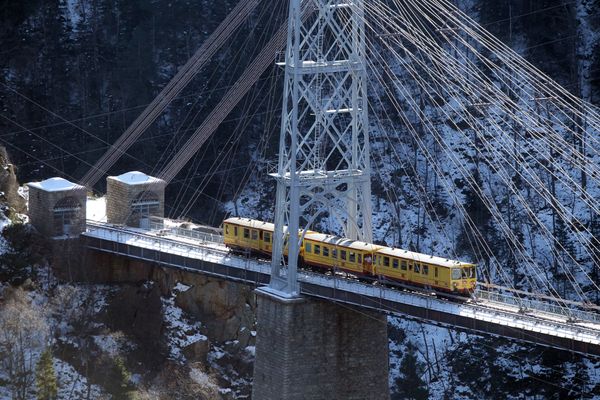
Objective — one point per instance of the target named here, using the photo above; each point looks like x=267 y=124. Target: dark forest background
x=75 y=73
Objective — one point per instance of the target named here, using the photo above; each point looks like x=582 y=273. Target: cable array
x=233 y=20
x=250 y=76
x=454 y=86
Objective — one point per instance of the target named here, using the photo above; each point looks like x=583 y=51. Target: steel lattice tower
x=324 y=166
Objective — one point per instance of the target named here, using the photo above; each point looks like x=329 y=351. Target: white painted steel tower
x=324 y=167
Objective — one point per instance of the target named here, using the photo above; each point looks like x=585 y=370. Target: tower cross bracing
x=324 y=166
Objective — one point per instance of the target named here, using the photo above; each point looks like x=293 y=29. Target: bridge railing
x=196 y=235
x=158 y=225
x=526 y=305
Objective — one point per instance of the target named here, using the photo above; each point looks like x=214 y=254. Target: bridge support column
x=311 y=349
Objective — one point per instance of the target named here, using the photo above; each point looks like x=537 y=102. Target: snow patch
x=202 y=378
x=136 y=178
x=72 y=385
x=55 y=185
x=96 y=209
x=181 y=288
x=180 y=330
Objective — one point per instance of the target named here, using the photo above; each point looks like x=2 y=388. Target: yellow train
x=364 y=259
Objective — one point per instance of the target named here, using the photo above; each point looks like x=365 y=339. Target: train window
x=417 y=268
x=386 y=261
x=455 y=273
x=260 y=235
x=352 y=257
x=436 y=272
x=246 y=233
x=360 y=258
x=267 y=237
x=227 y=229
x=317 y=249
x=333 y=253
x=343 y=254
x=325 y=251
x=235 y=231
x=254 y=235
x=403 y=265
x=307 y=247
x=395 y=263
x=425 y=269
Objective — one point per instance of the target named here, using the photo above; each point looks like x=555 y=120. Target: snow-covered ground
x=180 y=330
x=96 y=209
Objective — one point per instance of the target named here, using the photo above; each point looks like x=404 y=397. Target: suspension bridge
x=479 y=119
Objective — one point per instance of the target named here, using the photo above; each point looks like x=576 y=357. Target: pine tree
x=410 y=385
x=120 y=380
x=45 y=377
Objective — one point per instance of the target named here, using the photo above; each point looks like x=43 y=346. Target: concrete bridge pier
x=311 y=349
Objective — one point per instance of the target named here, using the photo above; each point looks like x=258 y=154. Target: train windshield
x=468 y=272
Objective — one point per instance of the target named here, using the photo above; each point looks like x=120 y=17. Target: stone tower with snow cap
x=57 y=207
x=132 y=198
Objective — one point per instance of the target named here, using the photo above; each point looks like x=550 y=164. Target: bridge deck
x=213 y=258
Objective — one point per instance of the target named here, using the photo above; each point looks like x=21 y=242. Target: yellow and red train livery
x=329 y=252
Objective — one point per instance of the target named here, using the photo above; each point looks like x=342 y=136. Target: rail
x=159 y=234
x=526 y=305
x=160 y=229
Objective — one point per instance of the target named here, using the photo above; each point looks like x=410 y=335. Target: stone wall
x=311 y=349
x=120 y=196
x=41 y=209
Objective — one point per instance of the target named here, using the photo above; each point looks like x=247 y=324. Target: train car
x=425 y=270
x=244 y=234
x=364 y=259
x=327 y=251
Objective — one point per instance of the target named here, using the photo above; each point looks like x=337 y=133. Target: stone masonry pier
x=311 y=349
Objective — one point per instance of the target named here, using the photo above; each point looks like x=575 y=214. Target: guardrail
x=526 y=305
x=160 y=229
x=200 y=236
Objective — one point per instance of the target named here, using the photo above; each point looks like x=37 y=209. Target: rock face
x=197 y=351
x=227 y=309
x=9 y=185
x=137 y=311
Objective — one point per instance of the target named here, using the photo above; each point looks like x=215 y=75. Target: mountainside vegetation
x=74 y=74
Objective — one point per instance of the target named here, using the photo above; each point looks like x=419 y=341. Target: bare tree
x=23 y=334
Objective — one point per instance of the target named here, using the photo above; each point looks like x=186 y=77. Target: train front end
x=464 y=279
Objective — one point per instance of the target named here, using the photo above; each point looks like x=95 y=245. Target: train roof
x=343 y=242
x=255 y=224
x=424 y=258
x=250 y=223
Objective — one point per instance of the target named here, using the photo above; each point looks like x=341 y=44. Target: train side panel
x=248 y=235
x=413 y=272
x=241 y=237
x=328 y=256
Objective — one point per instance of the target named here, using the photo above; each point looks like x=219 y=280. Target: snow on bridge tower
x=324 y=167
